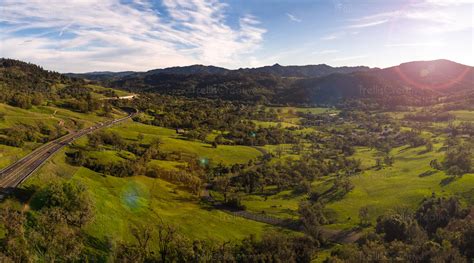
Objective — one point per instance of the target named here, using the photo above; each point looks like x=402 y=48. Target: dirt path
x=336 y=236
x=260 y=149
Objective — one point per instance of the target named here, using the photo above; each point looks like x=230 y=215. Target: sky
x=139 y=35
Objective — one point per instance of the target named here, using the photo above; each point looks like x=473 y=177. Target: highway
x=16 y=173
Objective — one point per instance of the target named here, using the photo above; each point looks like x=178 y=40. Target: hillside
x=26 y=77
x=413 y=83
x=443 y=76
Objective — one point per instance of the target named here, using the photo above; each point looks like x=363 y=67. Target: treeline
x=197 y=118
x=39 y=132
x=429 y=116
x=163 y=243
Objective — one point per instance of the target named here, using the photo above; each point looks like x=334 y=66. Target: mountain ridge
x=410 y=83
x=276 y=69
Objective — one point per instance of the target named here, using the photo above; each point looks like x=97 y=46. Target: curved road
x=16 y=173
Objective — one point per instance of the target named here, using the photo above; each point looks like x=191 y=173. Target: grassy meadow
x=173 y=142
x=139 y=200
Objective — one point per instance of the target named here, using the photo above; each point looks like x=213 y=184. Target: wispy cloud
x=117 y=35
x=293 y=18
x=331 y=37
x=417 y=44
x=369 y=24
x=432 y=16
x=449 y=2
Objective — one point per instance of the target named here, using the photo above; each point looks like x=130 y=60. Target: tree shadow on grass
x=101 y=248
x=405 y=149
x=330 y=195
x=209 y=146
x=423 y=152
x=443 y=149
x=427 y=173
x=22 y=195
x=448 y=180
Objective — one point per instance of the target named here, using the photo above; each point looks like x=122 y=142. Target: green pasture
x=403 y=185
x=122 y=202
x=173 y=142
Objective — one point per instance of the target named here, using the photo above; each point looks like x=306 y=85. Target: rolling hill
x=412 y=83
x=441 y=76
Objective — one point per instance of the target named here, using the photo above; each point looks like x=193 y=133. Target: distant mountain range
x=412 y=83
x=308 y=71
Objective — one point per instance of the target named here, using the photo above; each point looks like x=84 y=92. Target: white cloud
x=449 y=2
x=417 y=44
x=85 y=35
x=294 y=18
x=369 y=24
x=431 y=16
x=331 y=37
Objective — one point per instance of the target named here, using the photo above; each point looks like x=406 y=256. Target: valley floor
x=141 y=200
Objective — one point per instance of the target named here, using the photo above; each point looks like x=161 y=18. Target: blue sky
x=92 y=35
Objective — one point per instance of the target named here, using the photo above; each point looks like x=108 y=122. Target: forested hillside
x=414 y=83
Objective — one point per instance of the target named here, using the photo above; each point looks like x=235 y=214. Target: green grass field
x=139 y=200
x=121 y=202
x=172 y=142
x=282 y=205
x=167 y=165
x=403 y=185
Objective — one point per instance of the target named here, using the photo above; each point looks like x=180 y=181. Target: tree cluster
x=439 y=231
